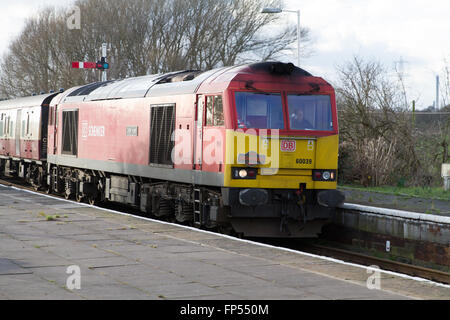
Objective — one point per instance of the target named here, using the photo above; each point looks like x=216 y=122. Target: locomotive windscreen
x=259 y=111
x=310 y=112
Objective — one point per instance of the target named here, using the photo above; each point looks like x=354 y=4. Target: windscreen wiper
x=249 y=85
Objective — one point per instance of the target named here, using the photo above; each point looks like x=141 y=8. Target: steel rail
x=358 y=258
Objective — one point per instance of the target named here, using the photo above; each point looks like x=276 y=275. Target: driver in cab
x=298 y=121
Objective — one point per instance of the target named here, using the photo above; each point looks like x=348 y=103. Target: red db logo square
x=288 y=145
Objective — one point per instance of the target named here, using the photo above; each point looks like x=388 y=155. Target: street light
x=277 y=10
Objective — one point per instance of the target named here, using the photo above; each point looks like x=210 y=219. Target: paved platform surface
x=123 y=257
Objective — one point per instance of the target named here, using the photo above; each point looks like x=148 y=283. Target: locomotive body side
x=116 y=137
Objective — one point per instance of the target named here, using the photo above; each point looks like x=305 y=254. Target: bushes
x=377 y=141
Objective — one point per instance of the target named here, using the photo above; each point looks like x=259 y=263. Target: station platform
x=60 y=250
x=438 y=207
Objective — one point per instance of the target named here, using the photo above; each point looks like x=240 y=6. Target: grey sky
x=383 y=30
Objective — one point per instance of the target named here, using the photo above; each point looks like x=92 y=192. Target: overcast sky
x=415 y=31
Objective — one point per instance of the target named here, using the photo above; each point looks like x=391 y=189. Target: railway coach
x=250 y=148
x=24 y=137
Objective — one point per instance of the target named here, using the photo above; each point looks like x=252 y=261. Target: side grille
x=162 y=126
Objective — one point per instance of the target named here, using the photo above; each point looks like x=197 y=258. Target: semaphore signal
x=101 y=64
x=84 y=65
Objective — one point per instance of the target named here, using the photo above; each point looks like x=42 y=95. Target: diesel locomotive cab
x=284 y=174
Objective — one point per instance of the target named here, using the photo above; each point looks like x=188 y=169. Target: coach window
x=23 y=126
x=11 y=128
x=7 y=124
x=214 y=113
x=28 y=123
x=1 y=125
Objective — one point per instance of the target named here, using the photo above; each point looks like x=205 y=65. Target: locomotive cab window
x=259 y=111
x=214 y=111
x=310 y=112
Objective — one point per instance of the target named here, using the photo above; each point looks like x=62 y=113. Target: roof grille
x=85 y=90
x=279 y=68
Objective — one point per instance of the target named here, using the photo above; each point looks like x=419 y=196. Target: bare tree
x=144 y=37
x=446 y=83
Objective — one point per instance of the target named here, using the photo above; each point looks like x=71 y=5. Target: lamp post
x=277 y=10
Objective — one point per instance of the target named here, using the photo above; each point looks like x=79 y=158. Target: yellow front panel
x=284 y=162
x=327 y=156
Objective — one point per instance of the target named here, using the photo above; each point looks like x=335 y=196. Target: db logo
x=288 y=145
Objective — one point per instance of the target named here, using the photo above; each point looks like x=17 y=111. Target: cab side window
x=214 y=111
x=209 y=110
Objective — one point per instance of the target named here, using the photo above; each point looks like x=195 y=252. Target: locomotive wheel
x=225 y=229
x=92 y=200
x=79 y=197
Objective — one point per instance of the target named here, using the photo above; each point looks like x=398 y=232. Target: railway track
x=329 y=251
x=362 y=259
x=399 y=267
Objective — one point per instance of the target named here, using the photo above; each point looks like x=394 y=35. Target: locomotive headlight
x=324 y=175
x=243 y=173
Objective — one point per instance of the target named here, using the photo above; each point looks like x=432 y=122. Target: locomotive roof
x=33 y=101
x=180 y=82
x=138 y=87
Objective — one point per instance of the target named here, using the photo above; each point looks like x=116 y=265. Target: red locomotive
x=249 y=148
